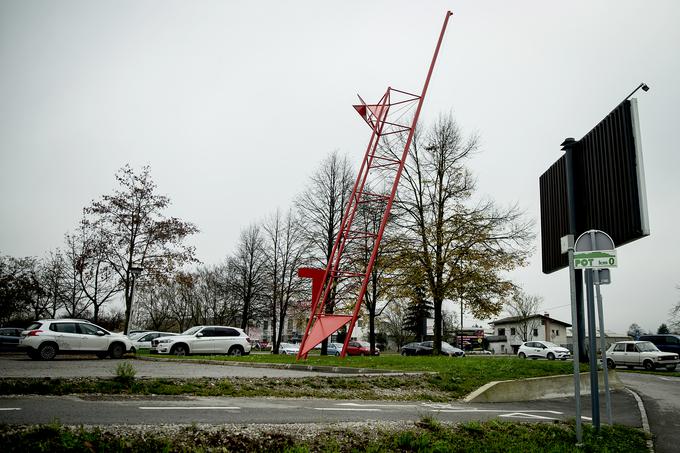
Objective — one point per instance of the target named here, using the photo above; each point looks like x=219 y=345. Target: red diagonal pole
x=404 y=155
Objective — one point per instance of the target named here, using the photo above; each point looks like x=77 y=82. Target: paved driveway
x=19 y=366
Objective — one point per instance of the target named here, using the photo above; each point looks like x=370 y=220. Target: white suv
x=544 y=350
x=204 y=340
x=46 y=338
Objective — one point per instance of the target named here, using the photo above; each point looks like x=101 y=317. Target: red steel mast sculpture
x=345 y=280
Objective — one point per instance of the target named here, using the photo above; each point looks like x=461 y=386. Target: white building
x=510 y=333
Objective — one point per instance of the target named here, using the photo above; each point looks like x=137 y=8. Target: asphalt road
x=97 y=410
x=661 y=397
x=19 y=365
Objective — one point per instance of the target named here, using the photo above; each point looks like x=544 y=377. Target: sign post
x=595 y=251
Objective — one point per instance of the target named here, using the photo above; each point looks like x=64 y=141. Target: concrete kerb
x=537 y=388
x=291 y=366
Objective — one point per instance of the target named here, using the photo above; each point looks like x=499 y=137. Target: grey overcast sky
x=235 y=103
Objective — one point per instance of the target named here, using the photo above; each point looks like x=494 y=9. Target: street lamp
x=135 y=271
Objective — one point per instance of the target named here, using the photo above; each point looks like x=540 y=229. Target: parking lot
x=20 y=366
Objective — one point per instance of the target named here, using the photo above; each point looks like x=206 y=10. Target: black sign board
x=609 y=187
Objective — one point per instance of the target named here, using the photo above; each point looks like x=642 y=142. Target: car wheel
x=403 y=353
x=103 y=355
x=671 y=367
x=116 y=351
x=47 y=351
x=610 y=364
x=649 y=365
x=236 y=351
x=522 y=355
x=179 y=350
x=337 y=354
x=551 y=356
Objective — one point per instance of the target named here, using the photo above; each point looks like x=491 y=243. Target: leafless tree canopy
x=524 y=307
x=132 y=222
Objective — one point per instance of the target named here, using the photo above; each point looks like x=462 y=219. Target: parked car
x=204 y=340
x=143 y=340
x=542 y=350
x=640 y=353
x=360 y=348
x=666 y=343
x=289 y=348
x=9 y=338
x=415 y=348
x=334 y=349
x=46 y=338
x=446 y=349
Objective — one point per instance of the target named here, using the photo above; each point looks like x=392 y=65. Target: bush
x=125 y=373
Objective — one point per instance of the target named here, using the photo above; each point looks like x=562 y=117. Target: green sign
x=599 y=259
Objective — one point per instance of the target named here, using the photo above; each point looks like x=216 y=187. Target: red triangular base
x=324 y=327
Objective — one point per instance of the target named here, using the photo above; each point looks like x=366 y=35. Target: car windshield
x=191 y=331
x=134 y=336
x=646 y=346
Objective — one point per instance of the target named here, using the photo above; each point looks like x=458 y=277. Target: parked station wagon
x=640 y=353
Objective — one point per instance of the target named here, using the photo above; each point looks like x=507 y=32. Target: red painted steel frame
x=320 y=325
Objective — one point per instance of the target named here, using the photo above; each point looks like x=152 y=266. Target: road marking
x=165 y=408
x=523 y=415
x=353 y=409
x=375 y=405
x=491 y=410
x=10 y=408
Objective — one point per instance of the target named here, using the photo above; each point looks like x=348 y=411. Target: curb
x=536 y=388
x=288 y=366
x=643 y=417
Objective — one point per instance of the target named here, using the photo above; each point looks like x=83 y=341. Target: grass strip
x=427 y=435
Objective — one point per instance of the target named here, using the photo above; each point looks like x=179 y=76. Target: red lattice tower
x=344 y=281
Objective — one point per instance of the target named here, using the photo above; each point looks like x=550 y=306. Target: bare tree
x=212 y=291
x=246 y=276
x=51 y=275
x=524 y=308
x=133 y=223
x=460 y=247
x=284 y=248
x=74 y=301
x=321 y=208
x=393 y=321
x=98 y=279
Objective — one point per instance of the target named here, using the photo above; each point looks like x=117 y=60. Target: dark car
x=446 y=349
x=416 y=349
x=666 y=343
x=9 y=338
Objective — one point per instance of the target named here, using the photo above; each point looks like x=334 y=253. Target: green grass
x=428 y=435
x=448 y=378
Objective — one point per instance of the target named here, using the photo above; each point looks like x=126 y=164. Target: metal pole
x=575 y=284
x=603 y=346
x=592 y=353
x=574 y=339
x=132 y=303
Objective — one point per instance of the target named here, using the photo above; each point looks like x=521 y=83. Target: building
x=609 y=337
x=509 y=333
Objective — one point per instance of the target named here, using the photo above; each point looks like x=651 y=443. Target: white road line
x=353 y=409
x=165 y=408
x=376 y=405
x=523 y=415
x=10 y=408
x=491 y=410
